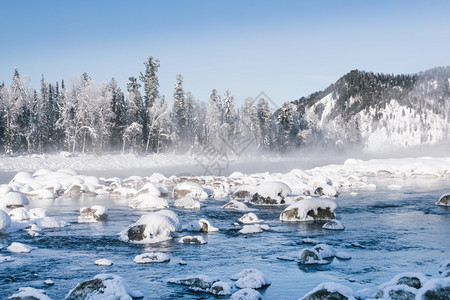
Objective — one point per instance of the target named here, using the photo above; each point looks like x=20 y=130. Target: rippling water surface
x=399 y=230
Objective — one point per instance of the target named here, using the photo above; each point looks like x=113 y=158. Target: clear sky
x=287 y=49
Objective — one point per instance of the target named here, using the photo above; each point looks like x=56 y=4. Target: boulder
x=192 y=240
x=13 y=200
x=249 y=218
x=201 y=225
x=93 y=214
x=333 y=225
x=5 y=221
x=200 y=283
x=433 y=289
x=151 y=228
x=147 y=201
x=270 y=193
x=311 y=257
x=246 y=294
x=29 y=293
x=237 y=205
x=103 y=286
x=187 y=202
x=444 y=200
x=151 y=257
x=189 y=187
x=310 y=209
x=330 y=290
x=250 y=278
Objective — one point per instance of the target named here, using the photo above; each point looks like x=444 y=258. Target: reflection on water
x=397 y=230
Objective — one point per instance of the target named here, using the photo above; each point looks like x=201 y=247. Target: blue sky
x=287 y=49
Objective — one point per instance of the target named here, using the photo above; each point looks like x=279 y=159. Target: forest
x=88 y=117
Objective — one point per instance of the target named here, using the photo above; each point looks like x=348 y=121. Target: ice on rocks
x=311 y=257
x=201 y=225
x=309 y=209
x=330 y=290
x=151 y=257
x=103 y=286
x=146 y=201
x=30 y=293
x=333 y=225
x=16 y=247
x=151 y=228
x=249 y=218
x=92 y=214
x=187 y=202
x=250 y=278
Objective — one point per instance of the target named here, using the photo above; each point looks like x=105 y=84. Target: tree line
x=87 y=117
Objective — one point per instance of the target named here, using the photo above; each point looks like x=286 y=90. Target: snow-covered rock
x=444 y=266
x=192 y=240
x=151 y=228
x=402 y=286
x=199 y=283
x=309 y=209
x=246 y=294
x=16 y=247
x=103 y=286
x=19 y=214
x=30 y=293
x=36 y=213
x=147 y=201
x=220 y=288
x=333 y=225
x=237 y=205
x=151 y=257
x=188 y=202
x=250 y=278
x=188 y=187
x=254 y=228
x=326 y=251
x=103 y=262
x=5 y=221
x=330 y=290
x=249 y=218
x=13 y=199
x=93 y=214
x=49 y=223
x=270 y=193
x=201 y=225
x=444 y=200
x=149 y=189
x=311 y=257
x=436 y=288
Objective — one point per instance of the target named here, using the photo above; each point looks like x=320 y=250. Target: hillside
x=379 y=111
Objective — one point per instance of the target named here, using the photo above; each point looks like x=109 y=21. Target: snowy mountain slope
x=381 y=112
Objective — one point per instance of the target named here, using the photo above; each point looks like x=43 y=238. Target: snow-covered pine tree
x=286 y=128
x=135 y=109
x=229 y=117
x=118 y=121
x=161 y=127
x=213 y=121
x=180 y=111
x=264 y=121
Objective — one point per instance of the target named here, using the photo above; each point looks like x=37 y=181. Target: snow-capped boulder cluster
x=243 y=283
x=310 y=209
x=408 y=285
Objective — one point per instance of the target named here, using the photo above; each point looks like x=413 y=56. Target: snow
x=333 y=225
x=30 y=293
x=444 y=266
x=92 y=214
x=147 y=201
x=250 y=218
x=434 y=284
x=332 y=287
x=49 y=222
x=238 y=206
x=246 y=294
x=5 y=221
x=254 y=228
x=115 y=288
x=159 y=227
x=16 y=247
x=13 y=199
x=194 y=189
x=103 y=262
x=193 y=240
x=306 y=205
x=273 y=189
x=220 y=288
x=151 y=257
x=187 y=202
x=326 y=251
x=311 y=257
x=201 y=225
x=250 y=278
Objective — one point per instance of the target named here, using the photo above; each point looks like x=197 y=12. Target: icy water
x=398 y=230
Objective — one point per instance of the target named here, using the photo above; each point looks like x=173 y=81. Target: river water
x=397 y=230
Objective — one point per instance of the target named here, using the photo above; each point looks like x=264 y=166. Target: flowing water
x=397 y=231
